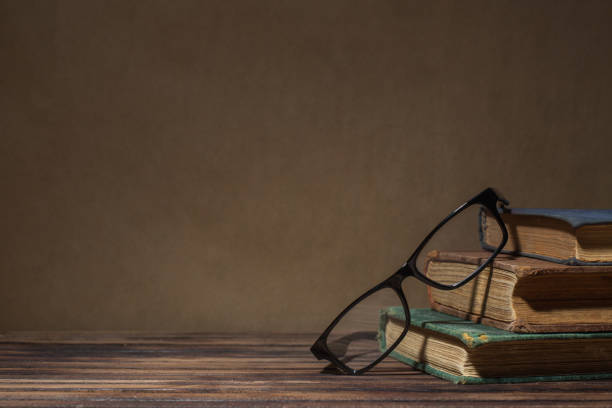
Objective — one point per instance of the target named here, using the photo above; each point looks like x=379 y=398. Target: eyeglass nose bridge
x=395 y=281
x=403 y=272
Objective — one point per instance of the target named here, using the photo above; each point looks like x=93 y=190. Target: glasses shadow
x=340 y=348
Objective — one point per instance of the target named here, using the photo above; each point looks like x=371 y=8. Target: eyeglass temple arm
x=503 y=202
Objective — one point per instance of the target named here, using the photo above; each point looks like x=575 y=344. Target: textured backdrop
x=254 y=165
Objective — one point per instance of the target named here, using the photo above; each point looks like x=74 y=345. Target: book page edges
x=519 y=326
x=521 y=266
x=457 y=379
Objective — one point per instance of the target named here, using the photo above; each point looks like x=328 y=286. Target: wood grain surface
x=163 y=370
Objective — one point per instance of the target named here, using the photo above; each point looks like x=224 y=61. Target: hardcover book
x=523 y=294
x=569 y=236
x=465 y=352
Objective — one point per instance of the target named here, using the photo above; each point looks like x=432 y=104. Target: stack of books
x=541 y=312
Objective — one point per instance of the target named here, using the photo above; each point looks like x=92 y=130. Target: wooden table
x=161 y=370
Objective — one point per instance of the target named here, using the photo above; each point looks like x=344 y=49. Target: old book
x=523 y=294
x=466 y=352
x=569 y=236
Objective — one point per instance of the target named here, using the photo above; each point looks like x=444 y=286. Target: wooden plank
x=40 y=369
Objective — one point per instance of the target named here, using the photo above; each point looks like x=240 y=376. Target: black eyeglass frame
x=489 y=199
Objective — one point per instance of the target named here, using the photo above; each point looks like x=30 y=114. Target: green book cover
x=475 y=338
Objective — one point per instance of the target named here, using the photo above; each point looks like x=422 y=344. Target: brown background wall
x=250 y=165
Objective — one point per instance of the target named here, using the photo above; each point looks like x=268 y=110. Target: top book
x=568 y=236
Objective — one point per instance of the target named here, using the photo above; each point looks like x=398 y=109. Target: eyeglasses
x=352 y=342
